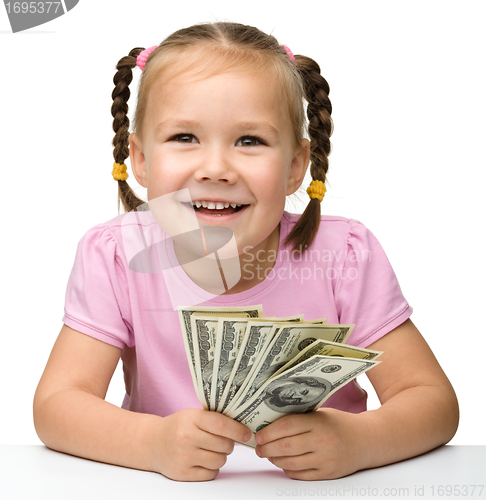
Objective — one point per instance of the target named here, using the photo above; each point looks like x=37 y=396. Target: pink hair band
x=143 y=56
x=289 y=52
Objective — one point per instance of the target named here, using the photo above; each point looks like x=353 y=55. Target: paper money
x=204 y=332
x=287 y=342
x=327 y=348
x=301 y=389
x=185 y=314
x=257 y=369
x=253 y=341
x=251 y=345
x=230 y=333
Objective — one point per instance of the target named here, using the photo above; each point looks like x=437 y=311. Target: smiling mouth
x=216 y=208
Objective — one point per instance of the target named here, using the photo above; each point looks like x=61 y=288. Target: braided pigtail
x=320 y=129
x=121 y=123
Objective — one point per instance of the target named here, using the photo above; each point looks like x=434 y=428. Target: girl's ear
x=298 y=167
x=137 y=160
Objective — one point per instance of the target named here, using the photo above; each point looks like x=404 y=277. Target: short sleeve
x=368 y=293
x=97 y=294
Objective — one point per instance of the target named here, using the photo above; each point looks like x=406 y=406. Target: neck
x=257 y=263
x=254 y=267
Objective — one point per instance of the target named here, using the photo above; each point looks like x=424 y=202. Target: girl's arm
x=419 y=412
x=71 y=416
x=419 y=408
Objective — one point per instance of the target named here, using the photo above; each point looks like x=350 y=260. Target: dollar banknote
x=286 y=342
x=185 y=314
x=327 y=348
x=204 y=331
x=300 y=389
x=257 y=369
x=230 y=333
x=254 y=339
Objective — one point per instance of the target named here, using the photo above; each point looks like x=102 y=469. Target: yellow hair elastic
x=316 y=189
x=119 y=172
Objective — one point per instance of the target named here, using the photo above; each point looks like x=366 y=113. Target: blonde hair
x=219 y=47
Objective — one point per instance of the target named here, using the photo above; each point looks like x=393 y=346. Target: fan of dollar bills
x=256 y=369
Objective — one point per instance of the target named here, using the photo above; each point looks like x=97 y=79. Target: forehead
x=199 y=62
x=257 y=82
x=205 y=60
x=232 y=95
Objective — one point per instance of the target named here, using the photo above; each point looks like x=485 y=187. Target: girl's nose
x=215 y=167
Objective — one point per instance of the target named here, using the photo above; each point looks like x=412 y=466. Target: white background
x=408 y=84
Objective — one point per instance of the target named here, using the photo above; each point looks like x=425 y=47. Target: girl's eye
x=183 y=138
x=249 y=141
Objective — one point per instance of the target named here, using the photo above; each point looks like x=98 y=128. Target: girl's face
x=227 y=139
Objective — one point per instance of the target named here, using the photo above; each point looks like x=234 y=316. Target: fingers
x=308 y=447
x=195 y=474
x=294 y=463
x=193 y=444
x=294 y=455
x=290 y=425
x=287 y=447
x=212 y=442
x=223 y=426
x=304 y=475
x=209 y=459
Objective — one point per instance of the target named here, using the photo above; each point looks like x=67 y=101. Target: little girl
x=220 y=126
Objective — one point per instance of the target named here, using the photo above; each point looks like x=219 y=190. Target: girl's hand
x=312 y=446
x=418 y=412
x=193 y=444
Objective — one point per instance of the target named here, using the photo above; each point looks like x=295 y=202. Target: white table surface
x=36 y=472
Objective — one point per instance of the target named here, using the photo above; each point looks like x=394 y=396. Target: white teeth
x=218 y=205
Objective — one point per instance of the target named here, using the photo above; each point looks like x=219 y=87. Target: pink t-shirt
x=344 y=276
